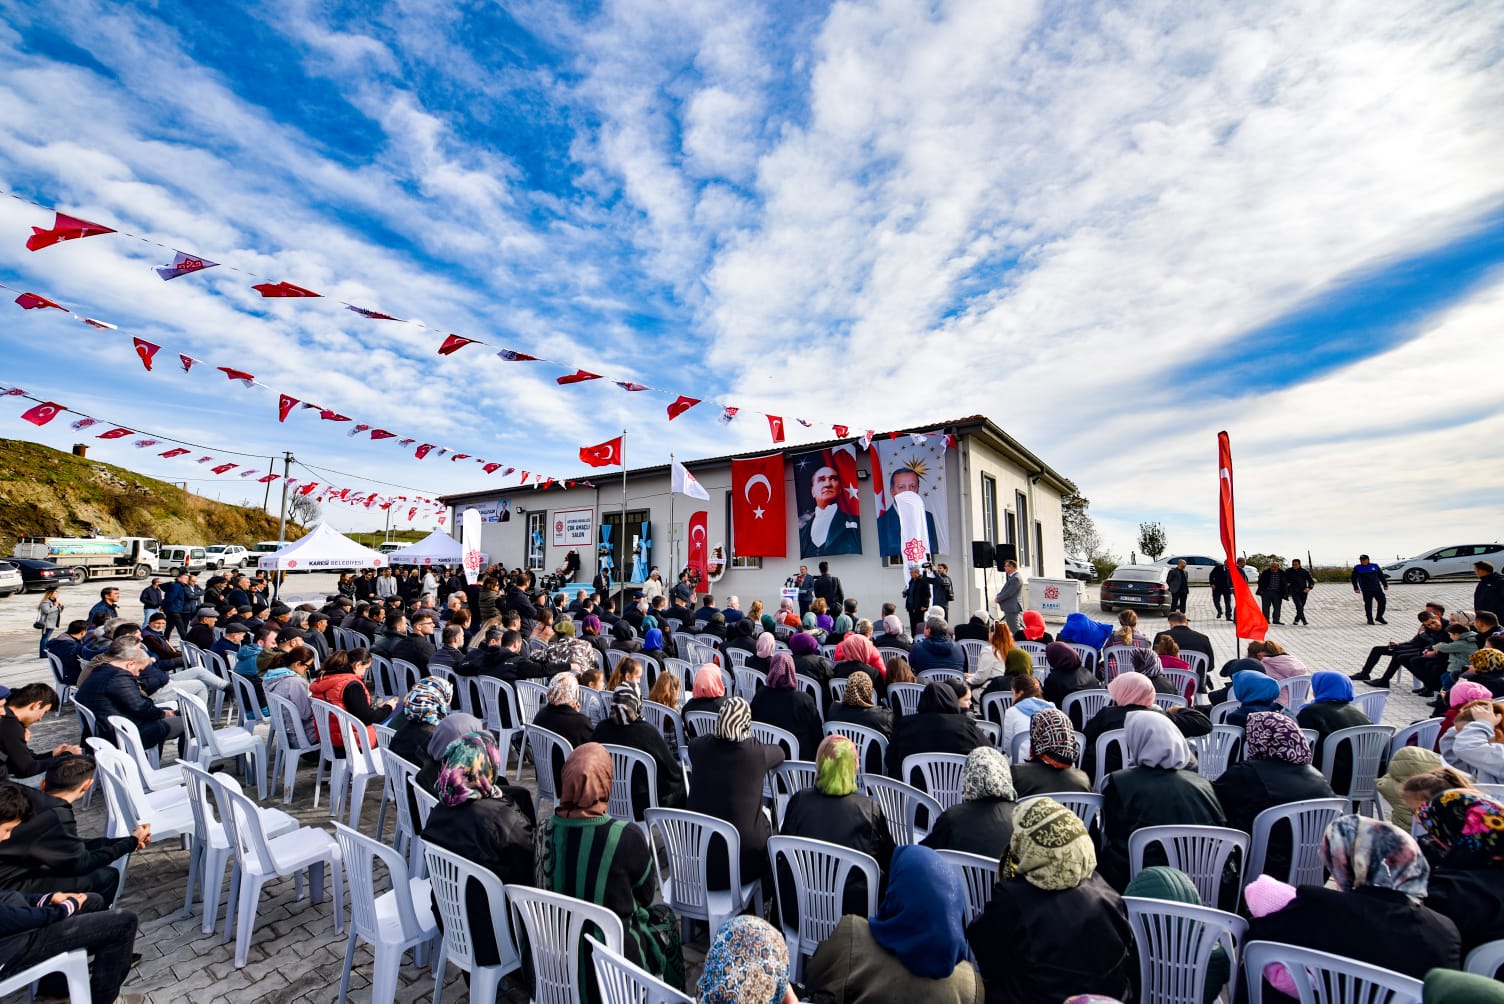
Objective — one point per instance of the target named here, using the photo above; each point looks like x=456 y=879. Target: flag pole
x=622 y=546
x=673 y=545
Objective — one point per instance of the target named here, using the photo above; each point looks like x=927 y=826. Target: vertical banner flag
x=699 y=545
x=758 y=507
x=775 y=428
x=827 y=502
x=913 y=529
x=899 y=466
x=470 y=544
x=684 y=483
x=1251 y=623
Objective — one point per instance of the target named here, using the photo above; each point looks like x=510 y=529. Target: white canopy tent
x=321 y=548
x=438 y=548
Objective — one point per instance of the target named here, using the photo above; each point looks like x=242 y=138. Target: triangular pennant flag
x=359 y=428
x=42 y=413
x=524 y=478
x=453 y=343
x=491 y=468
x=513 y=356
x=775 y=426
x=83 y=423
x=458 y=456
x=284 y=406
x=329 y=415
x=727 y=414
x=222 y=468
x=267 y=479
x=632 y=386
x=422 y=451
x=374 y=315
x=184 y=264
x=114 y=434
x=803 y=423
x=240 y=375
x=867 y=439
x=101 y=325
x=308 y=488
x=578 y=376
x=248 y=473
x=917 y=438
x=282 y=289
x=176 y=451
x=840 y=431
x=681 y=405
x=187 y=362
x=892 y=436
x=381 y=434
x=142 y=444
x=64 y=228
x=146 y=350
x=548 y=484
x=405 y=443
x=35 y=301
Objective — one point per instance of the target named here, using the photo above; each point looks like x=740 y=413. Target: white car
x=10 y=579
x=1075 y=568
x=1198 y=567
x=226 y=556
x=1445 y=562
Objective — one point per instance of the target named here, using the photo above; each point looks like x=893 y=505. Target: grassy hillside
x=47 y=493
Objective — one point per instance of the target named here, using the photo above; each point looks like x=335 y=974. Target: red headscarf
x=1033 y=625
x=859 y=648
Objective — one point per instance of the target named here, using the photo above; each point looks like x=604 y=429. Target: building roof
x=972 y=425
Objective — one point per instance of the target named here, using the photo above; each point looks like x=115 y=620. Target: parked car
x=1143 y=587
x=175 y=556
x=387 y=547
x=10 y=579
x=226 y=556
x=1198 y=567
x=1075 y=568
x=1445 y=562
x=39 y=575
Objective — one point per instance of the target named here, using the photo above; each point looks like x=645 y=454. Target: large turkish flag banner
x=1250 y=619
x=759 y=517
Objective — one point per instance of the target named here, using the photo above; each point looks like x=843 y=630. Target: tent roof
x=437 y=548
x=322 y=547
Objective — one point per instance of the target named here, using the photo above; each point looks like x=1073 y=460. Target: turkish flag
x=36 y=301
x=775 y=426
x=176 y=451
x=681 y=405
x=381 y=434
x=758 y=507
x=1251 y=622
x=276 y=289
x=330 y=415
x=453 y=343
x=42 y=413
x=234 y=374
x=422 y=451
x=222 y=468
x=267 y=479
x=308 y=488
x=840 y=431
x=64 y=228
x=491 y=468
x=607 y=454
x=579 y=376
x=699 y=545
x=285 y=406
x=187 y=362
x=114 y=434
x=146 y=350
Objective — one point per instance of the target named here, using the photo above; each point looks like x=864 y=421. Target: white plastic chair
x=397 y=773
x=995 y=706
x=1198 y=661
x=864 y=739
x=771 y=735
x=687 y=838
x=248 y=709
x=407 y=676
x=348 y=775
x=811 y=686
x=1116 y=659
x=1323 y=978
x=495 y=695
x=65 y=691
x=790 y=777
x=459 y=684
x=614 y=657
x=555 y=927
x=1219 y=712
x=700 y=723
x=1089 y=701
x=1369 y=744
x=1106 y=742
x=1424 y=733
x=889 y=652
x=208 y=745
x=621 y=982
x=391 y=922
x=940 y=774
x=541 y=745
x=978 y=876
x=1202 y=852
x=901 y=804
x=426 y=803
x=973 y=648
x=928 y=676
x=819 y=871
x=1295 y=691
x=73 y=965
x=292 y=745
x=448 y=876
x=747 y=682
x=1169 y=701
x=670 y=725
x=128 y=805
x=904 y=697
x=1185 y=683
x=384 y=682
x=211 y=848
x=838 y=685
x=1306 y=820
x=128 y=739
x=531 y=695
x=1087 y=805
x=1089 y=655
x=738 y=657
x=1486 y=959
x=1216 y=753
x=1373 y=704
x=1174 y=943
x=625 y=762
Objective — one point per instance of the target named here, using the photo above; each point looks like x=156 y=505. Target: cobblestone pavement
x=295 y=955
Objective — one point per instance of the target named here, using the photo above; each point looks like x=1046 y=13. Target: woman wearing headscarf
x=1053 y=750
x=1144 y=660
x=783 y=705
x=843 y=626
x=1275 y=770
x=1375 y=914
x=787 y=615
x=1174 y=886
x=769 y=625
x=1462 y=692
x=590 y=633
x=1331 y=709
x=1405 y=763
x=893 y=634
x=743 y=636
x=739 y=766
x=625 y=637
x=624 y=726
x=762 y=659
x=1476 y=743
x=562 y=715
x=982 y=822
x=477 y=821
x=1067 y=675
x=1467 y=875
x=652 y=645
x=1133 y=695
x=914 y=949
x=1034 y=630
x=583 y=852
x=566 y=649
x=836 y=812
x=941 y=724
x=748 y=963
x=858 y=706
x=1158 y=790
x=807 y=658
x=857 y=654
x=425 y=706
x=714 y=627
x=709 y=691
x=1053 y=927
x=1255 y=693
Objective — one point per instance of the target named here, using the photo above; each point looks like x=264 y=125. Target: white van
x=182 y=556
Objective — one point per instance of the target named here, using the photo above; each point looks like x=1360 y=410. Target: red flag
x=381 y=434
x=579 y=376
x=453 y=343
x=775 y=426
x=607 y=454
x=146 y=350
x=699 y=544
x=1251 y=621
x=840 y=431
x=458 y=456
x=187 y=362
x=681 y=405
x=35 y=301
x=491 y=468
x=114 y=434
x=513 y=356
x=422 y=451
x=222 y=468
x=64 y=228
x=308 y=488
x=412 y=512
x=267 y=479
x=240 y=375
x=330 y=415
x=285 y=405
x=275 y=289
x=548 y=484
x=524 y=478
x=758 y=510
x=43 y=413
x=176 y=451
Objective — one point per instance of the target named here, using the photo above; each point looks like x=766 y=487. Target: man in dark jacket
x=828 y=588
x=1220 y=580
x=394 y=631
x=25 y=707
x=1488 y=594
x=46 y=854
x=1180 y=585
x=112 y=689
x=417 y=647
x=315 y=635
x=916 y=599
x=201 y=631
x=177 y=604
x=151 y=597
x=1187 y=639
x=68 y=647
x=978 y=628
x=1271 y=591
x=935 y=650
x=1298 y=584
x=1369 y=580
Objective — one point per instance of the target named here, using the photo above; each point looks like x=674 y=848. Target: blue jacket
x=67 y=648
x=102 y=607
x=1368 y=577
x=23 y=912
x=177 y=598
x=935 y=653
x=245 y=659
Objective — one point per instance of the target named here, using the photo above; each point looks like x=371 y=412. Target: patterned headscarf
x=1050 y=848
x=835 y=763
x=1486 y=660
x=734 y=722
x=1052 y=740
x=451 y=728
x=471 y=765
x=858 y=691
x=986 y=775
x=585 y=783
x=767 y=643
x=1360 y=851
x=748 y=963
x=1468 y=826
x=781 y=672
x=1146 y=661
x=709 y=682
x=1154 y=741
x=564 y=689
x=428 y=701
x=1269 y=735
x=1131 y=690
x=626 y=705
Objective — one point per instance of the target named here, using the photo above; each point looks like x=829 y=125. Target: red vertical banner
x=1251 y=622
x=699 y=545
x=759 y=517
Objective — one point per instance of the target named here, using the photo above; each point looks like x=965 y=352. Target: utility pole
x=282 y=520
x=267 y=498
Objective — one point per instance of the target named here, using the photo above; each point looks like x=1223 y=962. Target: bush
x=1263 y=561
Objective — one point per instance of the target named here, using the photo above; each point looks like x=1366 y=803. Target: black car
x=1140 y=586
x=39 y=575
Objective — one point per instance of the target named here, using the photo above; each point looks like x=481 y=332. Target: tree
x=303 y=510
x=1263 y=561
x=1081 y=537
x=1152 y=540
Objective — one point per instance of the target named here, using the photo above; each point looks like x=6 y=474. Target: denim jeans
x=42 y=645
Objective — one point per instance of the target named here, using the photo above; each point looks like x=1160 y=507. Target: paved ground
x=296 y=955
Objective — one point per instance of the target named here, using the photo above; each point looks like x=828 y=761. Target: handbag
x=39 y=626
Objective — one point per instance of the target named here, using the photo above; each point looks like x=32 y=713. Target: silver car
x=10 y=579
x=1445 y=562
x=1198 y=567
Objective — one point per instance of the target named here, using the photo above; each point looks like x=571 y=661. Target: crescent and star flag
x=43 y=413
x=759 y=517
x=285 y=406
x=240 y=375
x=681 y=405
x=381 y=434
x=422 y=451
x=775 y=426
x=114 y=434
x=222 y=468
x=275 y=289
x=685 y=484
x=1251 y=622
x=453 y=343
x=607 y=454
x=35 y=301
x=267 y=479
x=840 y=431
x=64 y=228
x=578 y=376
x=699 y=544
x=187 y=362
x=184 y=264
x=146 y=350
x=176 y=451
x=491 y=468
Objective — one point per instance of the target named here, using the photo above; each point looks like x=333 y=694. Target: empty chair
x=398 y=775
x=910 y=812
x=249 y=710
x=1198 y=661
x=391 y=922
x=292 y=744
x=498 y=706
x=531 y=695
x=1204 y=853
x=554 y=926
x=700 y=723
x=64 y=689
x=1185 y=683
x=1366 y=746
x=128 y=805
x=1320 y=977
x=407 y=676
x=384 y=681
x=748 y=681
x=619 y=981
x=818 y=873
x=1305 y=821
x=1174 y=943
x=153 y=778
x=686 y=838
x=348 y=775
x=973 y=647
x=789 y=778
x=211 y=847
x=1295 y=691
x=549 y=751
x=669 y=724
x=1108 y=743
x=449 y=875
x=1372 y=704
x=771 y=735
x=995 y=706
x=208 y=745
x=936 y=774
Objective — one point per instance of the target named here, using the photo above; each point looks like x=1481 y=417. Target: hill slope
x=44 y=492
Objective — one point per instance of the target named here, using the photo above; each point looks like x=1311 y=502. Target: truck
x=94 y=557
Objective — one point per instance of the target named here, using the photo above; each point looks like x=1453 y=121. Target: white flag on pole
x=685 y=484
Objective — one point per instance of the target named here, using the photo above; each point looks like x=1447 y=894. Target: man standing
x=828 y=588
x=942 y=591
x=151 y=598
x=1180 y=586
x=1272 y=591
x=1369 y=581
x=109 y=603
x=1298 y=583
x=177 y=601
x=1221 y=582
x=1488 y=594
x=916 y=599
x=805 y=583
x=1010 y=597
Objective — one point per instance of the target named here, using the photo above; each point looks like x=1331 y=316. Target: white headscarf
x=1154 y=741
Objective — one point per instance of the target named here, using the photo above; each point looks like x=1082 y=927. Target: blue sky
x=1116 y=232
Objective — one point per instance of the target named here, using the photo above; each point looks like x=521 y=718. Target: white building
x=994 y=490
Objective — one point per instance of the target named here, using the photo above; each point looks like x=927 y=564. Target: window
x=1021 y=506
x=740 y=562
x=537 y=523
x=1038 y=548
x=1010 y=527
x=989 y=508
x=624 y=560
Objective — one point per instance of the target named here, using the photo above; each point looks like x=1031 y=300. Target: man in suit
x=1187 y=639
x=1180 y=586
x=1298 y=584
x=917 y=596
x=826 y=529
x=1271 y=591
x=1010 y=599
x=942 y=590
x=828 y=588
x=1220 y=580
